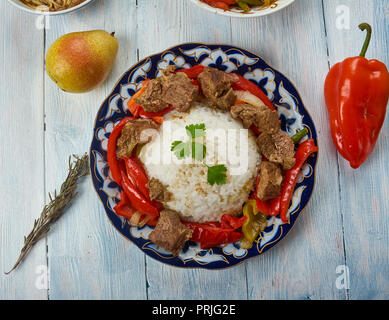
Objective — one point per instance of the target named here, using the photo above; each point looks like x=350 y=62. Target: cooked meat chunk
x=214 y=83
x=270 y=181
x=226 y=101
x=134 y=132
x=216 y=87
x=178 y=90
x=170 y=233
x=262 y=117
x=277 y=148
x=151 y=99
x=174 y=89
x=158 y=191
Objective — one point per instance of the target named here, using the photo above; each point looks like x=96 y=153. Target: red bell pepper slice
x=230 y=222
x=304 y=151
x=220 y=4
x=132 y=105
x=113 y=161
x=150 y=115
x=212 y=235
x=246 y=85
x=137 y=199
x=193 y=72
x=123 y=208
x=137 y=175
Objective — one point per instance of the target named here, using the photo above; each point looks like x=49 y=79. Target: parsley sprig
x=216 y=174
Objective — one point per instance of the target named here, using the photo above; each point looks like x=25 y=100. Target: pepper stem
x=363 y=27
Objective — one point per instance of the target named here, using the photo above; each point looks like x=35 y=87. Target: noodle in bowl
x=49 y=7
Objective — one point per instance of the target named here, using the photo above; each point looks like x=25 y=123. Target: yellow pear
x=81 y=61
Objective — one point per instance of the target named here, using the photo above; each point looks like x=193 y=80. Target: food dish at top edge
x=51 y=7
x=237 y=12
x=224 y=221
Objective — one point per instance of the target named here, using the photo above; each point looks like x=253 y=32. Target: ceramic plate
x=280 y=91
x=19 y=4
x=254 y=12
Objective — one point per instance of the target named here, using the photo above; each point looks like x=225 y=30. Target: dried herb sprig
x=55 y=208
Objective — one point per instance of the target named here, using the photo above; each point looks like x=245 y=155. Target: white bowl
x=19 y=4
x=279 y=5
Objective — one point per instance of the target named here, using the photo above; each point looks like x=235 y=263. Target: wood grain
x=344 y=224
x=303 y=266
x=364 y=193
x=87 y=257
x=187 y=23
x=21 y=157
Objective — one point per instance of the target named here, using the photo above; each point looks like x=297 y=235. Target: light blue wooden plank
x=21 y=156
x=161 y=25
x=88 y=258
x=302 y=266
x=364 y=193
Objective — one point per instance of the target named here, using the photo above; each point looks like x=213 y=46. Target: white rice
x=193 y=197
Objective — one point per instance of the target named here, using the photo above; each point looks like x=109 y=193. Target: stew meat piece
x=262 y=117
x=216 y=86
x=178 y=90
x=170 y=233
x=151 y=99
x=270 y=181
x=277 y=148
x=133 y=133
x=158 y=191
x=174 y=89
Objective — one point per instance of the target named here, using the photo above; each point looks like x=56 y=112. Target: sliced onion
x=134 y=221
x=248 y=98
x=143 y=222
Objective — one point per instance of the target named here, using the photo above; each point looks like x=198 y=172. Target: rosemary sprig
x=55 y=208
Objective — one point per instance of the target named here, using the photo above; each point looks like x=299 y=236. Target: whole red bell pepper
x=113 y=161
x=357 y=93
x=304 y=151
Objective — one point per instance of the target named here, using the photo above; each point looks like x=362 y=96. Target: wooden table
x=84 y=257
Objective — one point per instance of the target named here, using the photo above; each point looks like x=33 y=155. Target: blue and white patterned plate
x=280 y=91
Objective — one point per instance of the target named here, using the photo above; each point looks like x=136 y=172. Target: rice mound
x=193 y=197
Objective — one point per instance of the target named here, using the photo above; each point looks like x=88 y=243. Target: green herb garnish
x=217 y=174
x=198 y=151
x=195 y=130
x=180 y=149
